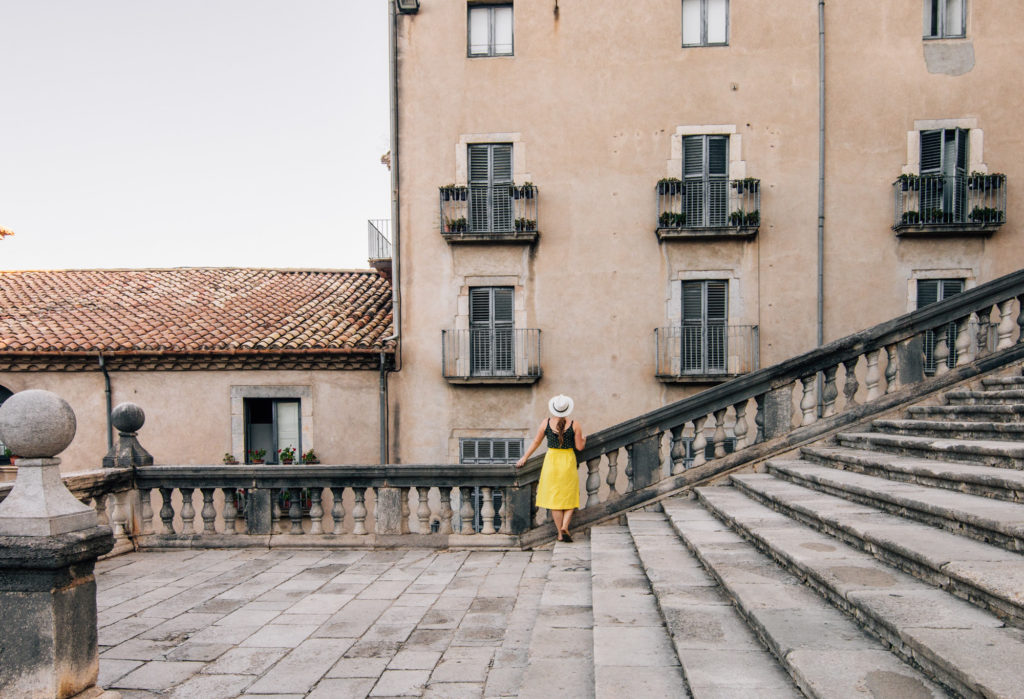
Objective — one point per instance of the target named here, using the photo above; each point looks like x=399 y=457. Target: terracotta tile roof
x=194 y=310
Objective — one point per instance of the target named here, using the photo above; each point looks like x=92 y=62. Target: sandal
x=566 y=536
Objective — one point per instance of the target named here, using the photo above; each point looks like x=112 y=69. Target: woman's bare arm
x=533 y=445
x=581 y=440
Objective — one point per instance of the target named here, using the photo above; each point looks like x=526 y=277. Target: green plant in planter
x=670 y=185
x=286 y=455
x=527 y=190
x=909 y=182
x=671 y=219
x=910 y=218
x=256 y=456
x=525 y=224
x=937 y=216
x=448 y=192
x=456 y=225
x=745 y=218
x=750 y=184
x=984 y=181
x=310 y=457
x=986 y=214
x=229 y=459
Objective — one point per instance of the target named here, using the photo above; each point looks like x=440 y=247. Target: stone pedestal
x=387 y=512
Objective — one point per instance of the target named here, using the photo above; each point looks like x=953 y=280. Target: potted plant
x=229 y=459
x=525 y=224
x=10 y=455
x=670 y=185
x=671 y=219
x=986 y=214
x=448 y=192
x=310 y=457
x=256 y=456
x=909 y=182
x=456 y=225
x=910 y=218
x=286 y=455
x=527 y=190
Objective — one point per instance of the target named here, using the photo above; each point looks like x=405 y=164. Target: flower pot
x=257 y=461
x=287 y=461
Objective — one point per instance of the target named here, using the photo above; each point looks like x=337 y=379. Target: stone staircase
x=883 y=563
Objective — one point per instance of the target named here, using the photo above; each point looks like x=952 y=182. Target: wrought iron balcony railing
x=491 y=355
x=488 y=212
x=710 y=207
x=949 y=204
x=379 y=238
x=700 y=351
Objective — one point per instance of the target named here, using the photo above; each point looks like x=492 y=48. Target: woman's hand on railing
x=521 y=462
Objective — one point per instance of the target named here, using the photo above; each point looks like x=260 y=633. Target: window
x=272 y=424
x=706 y=180
x=704 y=343
x=490 y=30
x=709 y=450
x=490 y=193
x=5 y=460
x=490 y=451
x=931 y=291
x=944 y=175
x=491 y=331
x=945 y=19
x=705 y=22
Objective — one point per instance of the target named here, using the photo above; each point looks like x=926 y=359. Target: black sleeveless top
x=568 y=438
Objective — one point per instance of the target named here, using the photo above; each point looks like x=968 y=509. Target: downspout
x=396 y=235
x=821 y=196
x=106 y=381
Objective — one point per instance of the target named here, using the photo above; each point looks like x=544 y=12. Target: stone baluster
x=275 y=511
x=446 y=525
x=487 y=512
x=119 y=515
x=403 y=526
x=208 y=513
x=891 y=369
x=423 y=509
x=700 y=442
x=230 y=511
x=984 y=325
x=146 y=508
x=359 y=511
x=506 y=525
x=759 y=418
x=963 y=340
x=808 y=402
x=338 y=509
x=629 y=468
x=316 y=511
x=873 y=377
x=188 y=512
x=167 y=512
x=466 y=510
x=719 y=435
x=593 y=481
x=1004 y=331
x=829 y=391
x=295 y=511
x=1020 y=319
x=99 y=503
x=613 y=473
x=850 y=385
x=741 y=428
x=941 y=353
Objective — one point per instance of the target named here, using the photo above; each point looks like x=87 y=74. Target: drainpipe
x=821 y=195
x=106 y=381
x=396 y=237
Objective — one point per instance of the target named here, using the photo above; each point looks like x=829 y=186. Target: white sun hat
x=560 y=406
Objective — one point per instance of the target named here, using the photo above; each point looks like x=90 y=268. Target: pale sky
x=164 y=133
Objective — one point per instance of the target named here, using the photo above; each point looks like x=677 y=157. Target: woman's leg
x=557 y=518
x=566 y=518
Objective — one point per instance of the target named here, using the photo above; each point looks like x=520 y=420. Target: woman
x=559 y=487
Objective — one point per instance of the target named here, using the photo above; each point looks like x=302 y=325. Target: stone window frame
x=520 y=173
x=737 y=166
x=458 y=434
x=674 y=303
x=968 y=274
x=304 y=394
x=469 y=281
x=975 y=143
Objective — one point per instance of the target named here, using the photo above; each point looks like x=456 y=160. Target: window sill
x=492 y=380
x=514 y=238
x=696 y=378
x=708 y=233
x=946 y=230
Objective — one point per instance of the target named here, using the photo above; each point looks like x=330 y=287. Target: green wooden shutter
x=479 y=186
x=718 y=180
x=492 y=331
x=693 y=174
x=931 y=152
x=501 y=193
x=716 y=325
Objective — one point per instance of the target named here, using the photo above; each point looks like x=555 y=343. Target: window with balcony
x=704 y=345
x=490 y=30
x=944 y=198
x=492 y=207
x=705 y=22
x=931 y=291
x=945 y=19
x=492 y=349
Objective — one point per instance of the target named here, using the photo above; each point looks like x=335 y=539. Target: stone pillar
x=49 y=543
x=128 y=418
x=387 y=513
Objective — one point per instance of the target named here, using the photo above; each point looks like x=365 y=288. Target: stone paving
x=317 y=623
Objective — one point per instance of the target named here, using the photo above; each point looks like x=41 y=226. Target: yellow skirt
x=559 y=486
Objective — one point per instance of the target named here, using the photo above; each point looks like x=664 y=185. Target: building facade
x=620 y=201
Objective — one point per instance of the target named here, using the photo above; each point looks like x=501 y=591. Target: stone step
x=988 y=481
x=952 y=429
x=990 y=452
x=633 y=653
x=825 y=652
x=991 y=521
x=560 y=661
x=719 y=653
x=964 y=397
x=956 y=644
x=985 y=575
x=998 y=382
x=991 y=412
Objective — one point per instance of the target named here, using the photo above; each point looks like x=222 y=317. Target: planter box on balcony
x=949 y=205
x=489 y=214
x=714 y=209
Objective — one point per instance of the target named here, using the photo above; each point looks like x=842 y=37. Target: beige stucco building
x=549 y=264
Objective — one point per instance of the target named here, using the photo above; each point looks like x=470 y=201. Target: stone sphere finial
x=37 y=424
x=128 y=417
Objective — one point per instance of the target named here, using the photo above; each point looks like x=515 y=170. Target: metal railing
x=706 y=350
x=497 y=210
x=378 y=232
x=960 y=201
x=713 y=203
x=491 y=353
